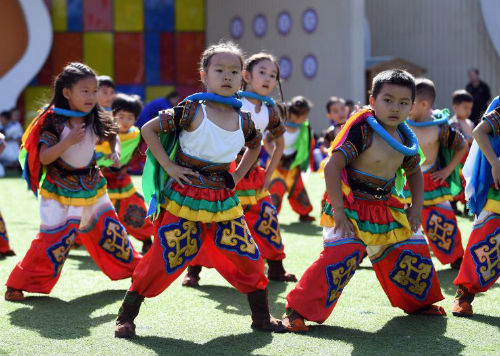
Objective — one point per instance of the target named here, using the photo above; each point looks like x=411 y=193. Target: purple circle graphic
x=284 y=23
x=286 y=67
x=310 y=20
x=236 y=28
x=260 y=25
x=310 y=66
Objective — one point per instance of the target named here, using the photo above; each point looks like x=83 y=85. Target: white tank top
x=212 y=143
x=79 y=155
x=260 y=119
x=290 y=138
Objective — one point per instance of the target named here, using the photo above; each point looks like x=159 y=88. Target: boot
x=294 y=322
x=306 y=218
x=146 y=245
x=125 y=326
x=192 y=276
x=462 y=303
x=261 y=318
x=456 y=264
x=14 y=295
x=276 y=272
x=8 y=253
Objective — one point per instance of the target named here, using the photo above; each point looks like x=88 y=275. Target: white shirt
x=261 y=118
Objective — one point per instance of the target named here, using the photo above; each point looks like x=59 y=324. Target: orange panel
x=67 y=47
x=129 y=58
x=188 y=49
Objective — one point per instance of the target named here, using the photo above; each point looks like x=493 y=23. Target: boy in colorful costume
x=362 y=215
x=297 y=157
x=59 y=161
x=443 y=147
x=481 y=265
x=129 y=204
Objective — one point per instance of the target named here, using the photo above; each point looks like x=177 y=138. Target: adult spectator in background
x=481 y=95
x=151 y=109
x=13 y=132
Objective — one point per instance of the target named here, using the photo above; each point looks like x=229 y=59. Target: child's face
x=106 y=95
x=3 y=120
x=223 y=75
x=299 y=119
x=263 y=78
x=125 y=120
x=337 y=113
x=463 y=110
x=82 y=96
x=421 y=109
x=392 y=105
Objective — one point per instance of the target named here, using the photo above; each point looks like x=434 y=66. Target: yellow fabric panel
x=34 y=98
x=189 y=15
x=157 y=91
x=59 y=17
x=202 y=215
x=129 y=15
x=98 y=52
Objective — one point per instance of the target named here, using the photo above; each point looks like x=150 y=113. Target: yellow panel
x=98 y=52
x=34 y=99
x=129 y=15
x=59 y=17
x=190 y=15
x=154 y=92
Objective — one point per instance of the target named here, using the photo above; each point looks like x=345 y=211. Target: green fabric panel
x=70 y=194
x=303 y=147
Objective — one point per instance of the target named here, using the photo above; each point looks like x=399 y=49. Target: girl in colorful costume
x=261 y=75
x=296 y=158
x=481 y=265
x=362 y=215
x=5 y=249
x=59 y=149
x=197 y=207
x=129 y=204
x=443 y=147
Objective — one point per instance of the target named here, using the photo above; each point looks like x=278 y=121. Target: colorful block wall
x=149 y=47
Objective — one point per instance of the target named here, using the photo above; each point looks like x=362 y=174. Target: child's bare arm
x=150 y=133
x=414 y=212
x=333 y=171
x=481 y=134
x=444 y=173
x=249 y=158
x=50 y=154
x=115 y=145
x=277 y=152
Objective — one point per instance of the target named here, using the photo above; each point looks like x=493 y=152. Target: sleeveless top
x=261 y=118
x=80 y=154
x=212 y=143
x=290 y=138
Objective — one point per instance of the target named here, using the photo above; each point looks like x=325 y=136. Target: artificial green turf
x=78 y=316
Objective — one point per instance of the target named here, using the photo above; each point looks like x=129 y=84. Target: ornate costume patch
x=267 y=225
x=413 y=273
x=338 y=275
x=134 y=215
x=233 y=235
x=441 y=232
x=181 y=242
x=486 y=257
x=115 y=241
x=58 y=252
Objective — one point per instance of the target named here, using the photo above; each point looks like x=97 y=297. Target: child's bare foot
x=14 y=295
x=307 y=218
x=435 y=310
x=294 y=322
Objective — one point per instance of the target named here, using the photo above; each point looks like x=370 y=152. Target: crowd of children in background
x=219 y=165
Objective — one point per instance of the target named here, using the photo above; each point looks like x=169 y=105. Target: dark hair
x=172 y=94
x=425 y=89
x=106 y=81
x=461 y=96
x=7 y=114
x=396 y=77
x=255 y=59
x=299 y=105
x=475 y=70
x=221 y=47
x=332 y=101
x=101 y=122
x=130 y=103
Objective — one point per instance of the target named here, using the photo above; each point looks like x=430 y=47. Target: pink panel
x=98 y=15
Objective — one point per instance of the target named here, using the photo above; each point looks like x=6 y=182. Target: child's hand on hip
x=180 y=174
x=342 y=224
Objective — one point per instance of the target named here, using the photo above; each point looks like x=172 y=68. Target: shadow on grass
x=85 y=262
x=404 y=335
x=487 y=319
x=57 y=319
x=446 y=278
x=302 y=228
x=233 y=302
x=242 y=344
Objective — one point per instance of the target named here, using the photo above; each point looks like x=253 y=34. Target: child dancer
x=362 y=215
x=61 y=143
x=129 y=204
x=197 y=206
x=106 y=92
x=4 y=237
x=480 y=267
x=296 y=156
x=261 y=75
x=462 y=107
x=443 y=147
